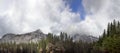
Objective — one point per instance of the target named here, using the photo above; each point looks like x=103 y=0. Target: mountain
x=23 y=38
x=37 y=35
x=84 y=38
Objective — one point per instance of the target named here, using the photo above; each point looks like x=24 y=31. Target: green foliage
x=111 y=44
x=110 y=40
x=18 y=48
x=56 y=43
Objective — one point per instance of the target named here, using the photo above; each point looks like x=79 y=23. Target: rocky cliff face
x=84 y=38
x=34 y=36
x=37 y=35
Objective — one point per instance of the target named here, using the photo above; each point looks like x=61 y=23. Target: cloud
x=100 y=12
x=21 y=16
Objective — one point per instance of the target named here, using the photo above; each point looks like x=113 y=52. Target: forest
x=109 y=42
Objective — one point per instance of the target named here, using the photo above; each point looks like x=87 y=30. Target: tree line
x=109 y=42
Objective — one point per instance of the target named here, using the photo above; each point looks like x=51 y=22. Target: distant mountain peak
x=38 y=31
x=84 y=38
x=34 y=36
x=8 y=35
x=37 y=35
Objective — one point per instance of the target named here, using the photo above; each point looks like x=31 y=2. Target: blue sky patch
x=77 y=7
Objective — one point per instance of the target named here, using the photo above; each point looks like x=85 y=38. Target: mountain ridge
x=37 y=35
x=34 y=36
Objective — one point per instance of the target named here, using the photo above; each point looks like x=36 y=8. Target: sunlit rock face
x=84 y=38
x=34 y=36
x=37 y=35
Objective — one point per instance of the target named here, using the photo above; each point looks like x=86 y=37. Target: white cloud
x=101 y=12
x=20 y=16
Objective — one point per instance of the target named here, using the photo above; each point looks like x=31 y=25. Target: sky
x=77 y=6
x=71 y=16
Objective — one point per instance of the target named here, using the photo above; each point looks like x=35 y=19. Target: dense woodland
x=109 y=42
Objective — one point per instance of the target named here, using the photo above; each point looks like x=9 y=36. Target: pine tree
x=109 y=28
x=111 y=42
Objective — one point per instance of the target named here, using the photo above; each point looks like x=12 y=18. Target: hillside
x=34 y=36
x=37 y=35
x=108 y=42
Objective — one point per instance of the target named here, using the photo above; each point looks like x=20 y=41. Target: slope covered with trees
x=109 y=42
x=51 y=44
